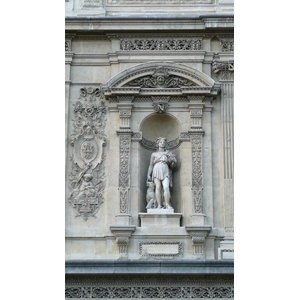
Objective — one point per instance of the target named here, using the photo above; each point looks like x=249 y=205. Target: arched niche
x=152 y=127
x=153 y=93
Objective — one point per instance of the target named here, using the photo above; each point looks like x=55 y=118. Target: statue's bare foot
x=159 y=206
x=168 y=206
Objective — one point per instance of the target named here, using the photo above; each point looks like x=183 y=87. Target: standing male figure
x=160 y=172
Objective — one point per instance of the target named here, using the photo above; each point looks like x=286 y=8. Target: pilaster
x=225 y=74
x=125 y=134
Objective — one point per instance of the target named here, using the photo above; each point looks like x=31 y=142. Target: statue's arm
x=150 y=169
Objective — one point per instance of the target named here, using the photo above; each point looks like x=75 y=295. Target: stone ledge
x=149 y=267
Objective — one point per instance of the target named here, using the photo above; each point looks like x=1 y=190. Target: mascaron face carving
x=160 y=79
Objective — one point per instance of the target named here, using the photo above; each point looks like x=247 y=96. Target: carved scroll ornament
x=224 y=70
x=161 y=78
x=87 y=176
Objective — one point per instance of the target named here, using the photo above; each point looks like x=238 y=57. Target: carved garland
x=149 y=292
x=87 y=178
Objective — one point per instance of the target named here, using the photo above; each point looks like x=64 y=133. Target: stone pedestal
x=158 y=219
x=161 y=211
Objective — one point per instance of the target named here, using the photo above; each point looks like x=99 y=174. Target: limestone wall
x=107 y=112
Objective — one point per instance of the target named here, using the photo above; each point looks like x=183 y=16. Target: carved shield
x=88 y=150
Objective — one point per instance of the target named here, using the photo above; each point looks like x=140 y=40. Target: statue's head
x=161 y=142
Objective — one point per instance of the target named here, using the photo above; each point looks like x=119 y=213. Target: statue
x=160 y=172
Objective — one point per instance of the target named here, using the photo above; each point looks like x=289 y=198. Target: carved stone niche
x=151 y=91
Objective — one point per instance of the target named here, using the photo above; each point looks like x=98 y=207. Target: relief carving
x=224 y=70
x=227 y=45
x=155 y=292
x=67 y=46
x=160 y=103
x=197 y=171
x=124 y=176
x=87 y=178
x=161 y=78
x=165 y=44
x=160 y=250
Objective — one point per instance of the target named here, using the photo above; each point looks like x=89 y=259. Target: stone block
x=159 y=219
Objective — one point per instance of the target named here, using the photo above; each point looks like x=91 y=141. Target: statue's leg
x=167 y=195
x=158 y=191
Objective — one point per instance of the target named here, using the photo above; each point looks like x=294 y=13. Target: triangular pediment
x=160 y=78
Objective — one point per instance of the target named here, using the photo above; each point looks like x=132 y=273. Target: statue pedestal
x=161 y=211
x=157 y=218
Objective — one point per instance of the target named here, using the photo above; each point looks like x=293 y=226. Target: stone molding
x=164 y=78
x=140 y=266
x=163 y=255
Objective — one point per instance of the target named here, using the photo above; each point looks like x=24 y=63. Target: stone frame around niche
x=138 y=89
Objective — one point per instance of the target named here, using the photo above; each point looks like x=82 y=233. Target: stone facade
x=133 y=74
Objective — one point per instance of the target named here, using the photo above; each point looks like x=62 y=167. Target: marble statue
x=160 y=173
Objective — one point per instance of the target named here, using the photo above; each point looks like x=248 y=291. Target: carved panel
x=159 y=44
x=124 y=176
x=92 y=3
x=197 y=184
x=87 y=178
x=227 y=45
x=149 y=292
x=160 y=250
